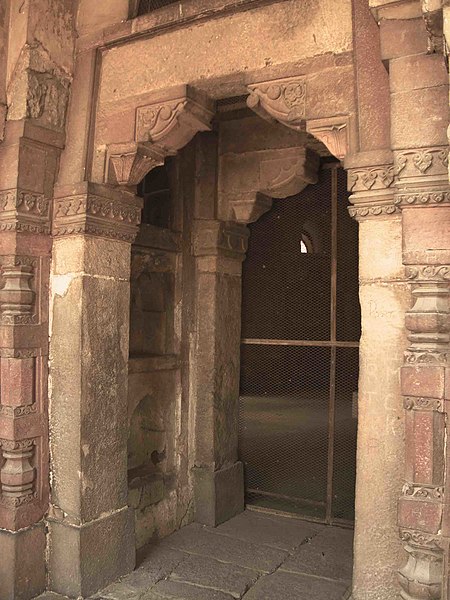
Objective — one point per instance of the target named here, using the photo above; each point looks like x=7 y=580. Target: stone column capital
x=371 y=177
x=98 y=210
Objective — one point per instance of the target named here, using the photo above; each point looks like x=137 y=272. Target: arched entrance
x=299 y=354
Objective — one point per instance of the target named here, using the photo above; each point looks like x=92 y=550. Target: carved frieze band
x=372 y=191
x=410 y=164
x=438 y=273
x=21 y=210
x=419 y=539
x=163 y=127
x=112 y=217
x=423 y=492
x=425 y=404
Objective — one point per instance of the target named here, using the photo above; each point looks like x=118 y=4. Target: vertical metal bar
x=332 y=398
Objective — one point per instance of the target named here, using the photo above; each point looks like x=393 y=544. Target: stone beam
x=162 y=127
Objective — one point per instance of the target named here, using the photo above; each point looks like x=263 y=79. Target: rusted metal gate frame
x=333 y=344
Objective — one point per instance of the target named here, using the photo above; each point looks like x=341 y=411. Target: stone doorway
x=299 y=354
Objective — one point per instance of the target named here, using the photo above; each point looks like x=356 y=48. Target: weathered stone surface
x=279 y=532
x=329 y=554
x=282 y=585
x=209 y=573
x=184 y=591
x=201 y=540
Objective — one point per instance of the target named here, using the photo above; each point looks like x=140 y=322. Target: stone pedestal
x=91 y=532
x=219 y=248
x=384 y=297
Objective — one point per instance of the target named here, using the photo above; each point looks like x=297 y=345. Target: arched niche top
x=285 y=101
x=167 y=123
x=248 y=182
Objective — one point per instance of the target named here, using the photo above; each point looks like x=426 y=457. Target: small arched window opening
x=306 y=245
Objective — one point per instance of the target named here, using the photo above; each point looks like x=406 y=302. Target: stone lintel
x=96 y=209
x=163 y=126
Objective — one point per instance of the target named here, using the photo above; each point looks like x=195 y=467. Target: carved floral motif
x=283 y=100
x=427 y=404
x=425 y=492
x=24 y=211
x=424 y=161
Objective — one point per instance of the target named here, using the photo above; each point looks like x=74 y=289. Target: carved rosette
x=281 y=100
x=163 y=126
x=21 y=210
x=98 y=210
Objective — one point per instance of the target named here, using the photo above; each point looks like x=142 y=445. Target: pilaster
x=219 y=249
x=93 y=227
x=384 y=297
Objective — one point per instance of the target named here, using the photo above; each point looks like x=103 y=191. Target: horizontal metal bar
x=282 y=497
x=319 y=343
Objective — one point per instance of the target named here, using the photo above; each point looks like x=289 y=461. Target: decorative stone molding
x=425 y=404
x=421 y=577
x=422 y=198
x=17 y=297
x=282 y=100
x=98 y=210
x=333 y=133
x=219 y=238
x=163 y=126
x=428 y=272
x=17 y=475
x=248 y=182
x=428 y=492
x=420 y=539
x=412 y=165
x=372 y=191
x=21 y=210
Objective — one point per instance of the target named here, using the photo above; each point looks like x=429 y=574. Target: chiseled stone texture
x=255 y=556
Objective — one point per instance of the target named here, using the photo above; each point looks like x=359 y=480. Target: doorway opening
x=299 y=354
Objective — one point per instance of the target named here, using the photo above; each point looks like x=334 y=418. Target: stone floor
x=255 y=556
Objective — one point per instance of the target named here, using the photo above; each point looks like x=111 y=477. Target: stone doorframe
x=91 y=293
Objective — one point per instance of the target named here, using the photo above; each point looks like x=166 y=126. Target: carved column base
x=84 y=559
x=22 y=564
x=421 y=577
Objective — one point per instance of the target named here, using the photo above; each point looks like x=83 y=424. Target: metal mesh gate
x=146 y=6
x=299 y=354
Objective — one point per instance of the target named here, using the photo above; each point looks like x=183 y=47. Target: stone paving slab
x=292 y=586
x=210 y=573
x=329 y=554
x=284 y=533
x=175 y=590
x=197 y=539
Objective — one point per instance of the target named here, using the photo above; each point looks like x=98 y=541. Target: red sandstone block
x=423 y=381
x=420 y=514
x=17 y=381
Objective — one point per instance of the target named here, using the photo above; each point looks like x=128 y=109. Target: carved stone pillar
x=28 y=161
x=219 y=249
x=419 y=95
x=91 y=528
x=384 y=297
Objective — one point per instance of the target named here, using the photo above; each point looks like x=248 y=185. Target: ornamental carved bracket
x=285 y=101
x=333 y=133
x=248 y=182
x=21 y=210
x=163 y=126
x=281 y=100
